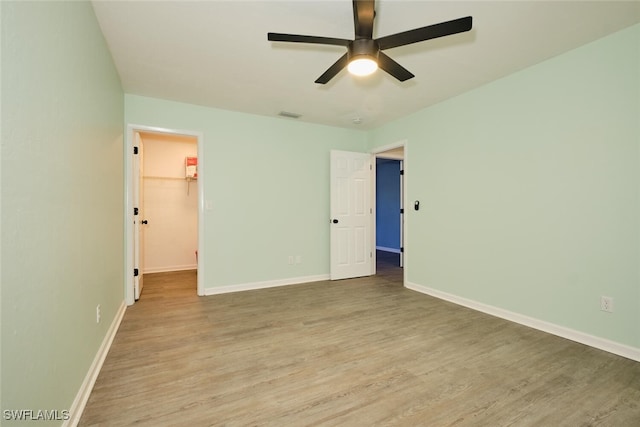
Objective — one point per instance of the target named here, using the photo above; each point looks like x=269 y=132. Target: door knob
x=144 y=221
x=335 y=221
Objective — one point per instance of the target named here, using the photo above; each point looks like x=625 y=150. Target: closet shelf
x=173 y=178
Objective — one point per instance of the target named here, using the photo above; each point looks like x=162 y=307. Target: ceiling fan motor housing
x=363 y=48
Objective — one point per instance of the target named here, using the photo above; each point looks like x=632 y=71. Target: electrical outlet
x=290 y=259
x=606 y=304
x=298 y=259
x=98 y=313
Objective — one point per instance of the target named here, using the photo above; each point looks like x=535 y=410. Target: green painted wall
x=62 y=203
x=530 y=190
x=268 y=181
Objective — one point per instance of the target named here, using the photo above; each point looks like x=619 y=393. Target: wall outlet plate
x=606 y=304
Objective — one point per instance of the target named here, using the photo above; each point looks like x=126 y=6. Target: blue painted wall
x=388 y=203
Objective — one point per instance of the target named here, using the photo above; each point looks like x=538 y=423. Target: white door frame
x=129 y=204
x=379 y=152
x=138 y=229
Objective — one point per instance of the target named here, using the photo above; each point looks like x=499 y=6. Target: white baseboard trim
x=170 y=268
x=77 y=407
x=385 y=249
x=265 y=284
x=561 y=331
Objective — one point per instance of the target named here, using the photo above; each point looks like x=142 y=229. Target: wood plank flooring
x=358 y=352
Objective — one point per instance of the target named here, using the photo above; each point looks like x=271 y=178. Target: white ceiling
x=216 y=53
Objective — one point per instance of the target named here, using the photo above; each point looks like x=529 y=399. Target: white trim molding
x=385 y=249
x=266 y=284
x=388 y=147
x=170 y=268
x=551 y=328
x=77 y=407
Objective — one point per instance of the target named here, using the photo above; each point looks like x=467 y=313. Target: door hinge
x=370 y=210
x=135 y=211
x=370 y=254
x=401 y=211
x=402 y=172
x=135 y=150
x=401 y=250
x=135 y=272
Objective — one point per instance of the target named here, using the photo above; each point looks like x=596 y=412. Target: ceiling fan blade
x=426 y=33
x=363 y=14
x=296 y=38
x=393 y=68
x=333 y=70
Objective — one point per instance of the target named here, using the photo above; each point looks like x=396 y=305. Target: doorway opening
x=169 y=207
x=389 y=204
x=164 y=231
x=389 y=209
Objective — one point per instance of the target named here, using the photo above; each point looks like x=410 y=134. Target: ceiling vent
x=290 y=115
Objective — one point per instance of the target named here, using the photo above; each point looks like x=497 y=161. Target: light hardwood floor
x=359 y=352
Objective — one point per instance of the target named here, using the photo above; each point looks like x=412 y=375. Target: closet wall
x=170 y=204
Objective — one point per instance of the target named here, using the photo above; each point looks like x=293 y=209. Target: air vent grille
x=289 y=114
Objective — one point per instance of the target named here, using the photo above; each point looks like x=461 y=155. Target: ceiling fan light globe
x=362 y=66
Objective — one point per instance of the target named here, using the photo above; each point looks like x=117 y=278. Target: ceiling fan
x=364 y=53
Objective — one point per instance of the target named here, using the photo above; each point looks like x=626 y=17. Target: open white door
x=138 y=221
x=351 y=215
